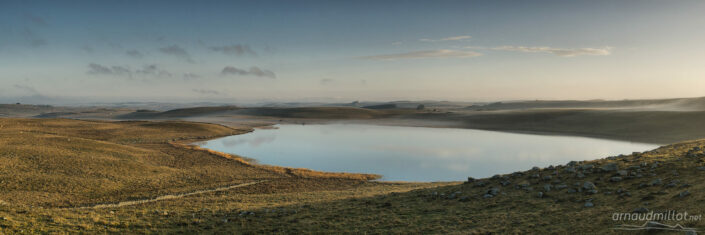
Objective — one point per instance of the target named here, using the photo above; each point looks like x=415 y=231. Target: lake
x=414 y=153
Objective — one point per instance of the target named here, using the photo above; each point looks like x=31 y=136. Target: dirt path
x=166 y=197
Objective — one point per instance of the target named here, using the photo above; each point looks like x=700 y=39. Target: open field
x=46 y=161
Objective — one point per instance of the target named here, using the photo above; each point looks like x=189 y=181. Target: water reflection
x=414 y=153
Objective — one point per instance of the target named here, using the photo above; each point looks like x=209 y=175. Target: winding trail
x=165 y=197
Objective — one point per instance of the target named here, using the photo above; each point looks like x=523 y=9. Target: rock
x=569 y=170
x=524 y=184
x=673 y=183
x=610 y=167
x=493 y=191
x=616 y=179
x=701 y=168
x=451 y=196
x=505 y=183
x=547 y=177
x=572 y=190
x=572 y=163
x=656 y=182
x=587 y=167
x=536 y=168
x=641 y=210
x=470 y=179
x=494 y=177
x=547 y=187
x=622 y=172
x=580 y=175
x=588 y=185
x=540 y=194
x=464 y=199
x=588 y=204
x=561 y=186
x=535 y=176
x=481 y=183
x=591 y=191
x=488 y=196
x=684 y=194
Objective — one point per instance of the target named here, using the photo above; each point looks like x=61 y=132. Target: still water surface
x=414 y=153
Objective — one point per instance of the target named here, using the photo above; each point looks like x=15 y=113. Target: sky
x=341 y=51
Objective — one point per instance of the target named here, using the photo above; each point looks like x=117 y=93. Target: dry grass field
x=53 y=167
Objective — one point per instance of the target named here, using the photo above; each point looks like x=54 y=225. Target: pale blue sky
x=351 y=50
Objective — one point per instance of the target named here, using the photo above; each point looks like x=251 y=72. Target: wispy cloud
x=254 y=70
x=134 y=54
x=27 y=89
x=327 y=81
x=98 y=69
x=206 y=91
x=426 y=54
x=146 y=70
x=235 y=49
x=190 y=76
x=178 y=52
x=564 y=52
x=33 y=39
x=454 y=38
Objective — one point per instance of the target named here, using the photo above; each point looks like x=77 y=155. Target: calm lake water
x=414 y=153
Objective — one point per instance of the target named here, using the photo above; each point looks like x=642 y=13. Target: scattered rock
x=580 y=175
x=587 y=167
x=536 y=168
x=588 y=185
x=547 y=177
x=535 y=176
x=641 y=210
x=610 y=167
x=684 y=194
x=561 y=186
x=488 y=196
x=493 y=191
x=470 y=179
x=480 y=183
x=616 y=179
x=656 y=182
x=505 y=183
x=569 y=170
x=588 y=204
x=547 y=187
x=540 y=194
x=622 y=172
x=464 y=199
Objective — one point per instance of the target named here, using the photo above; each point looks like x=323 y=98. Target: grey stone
x=540 y=194
x=588 y=185
x=580 y=175
x=616 y=179
x=536 y=168
x=587 y=167
x=569 y=170
x=505 y=183
x=641 y=210
x=547 y=177
x=610 y=167
x=493 y=191
x=488 y=196
x=684 y=194
x=622 y=172
x=561 y=186
x=547 y=187
x=589 y=204
x=656 y=182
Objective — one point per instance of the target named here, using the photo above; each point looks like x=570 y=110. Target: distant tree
x=420 y=107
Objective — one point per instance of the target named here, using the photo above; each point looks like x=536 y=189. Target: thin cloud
x=426 y=54
x=235 y=49
x=99 y=69
x=134 y=54
x=206 y=91
x=178 y=52
x=33 y=39
x=147 y=70
x=326 y=81
x=563 y=52
x=454 y=38
x=27 y=89
x=36 y=20
x=190 y=76
x=254 y=70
